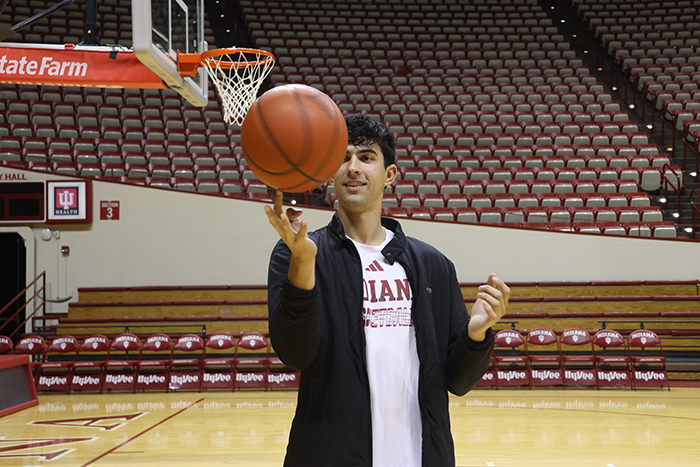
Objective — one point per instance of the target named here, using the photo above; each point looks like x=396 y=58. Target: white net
x=237 y=76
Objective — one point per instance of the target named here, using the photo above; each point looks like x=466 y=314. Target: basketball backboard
x=161 y=28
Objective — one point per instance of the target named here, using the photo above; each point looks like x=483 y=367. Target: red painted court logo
x=66 y=201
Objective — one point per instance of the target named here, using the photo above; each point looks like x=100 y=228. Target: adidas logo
x=374 y=267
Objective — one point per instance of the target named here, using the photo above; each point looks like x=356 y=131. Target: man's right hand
x=293 y=231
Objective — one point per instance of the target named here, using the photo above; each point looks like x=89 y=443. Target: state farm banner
x=68 y=65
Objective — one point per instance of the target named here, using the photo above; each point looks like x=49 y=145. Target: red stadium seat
x=545 y=365
x=89 y=370
x=152 y=370
x=120 y=368
x=55 y=373
x=219 y=371
x=252 y=368
x=511 y=363
x=578 y=362
x=611 y=360
x=186 y=363
x=648 y=365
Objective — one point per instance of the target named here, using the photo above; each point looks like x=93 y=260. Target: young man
x=376 y=323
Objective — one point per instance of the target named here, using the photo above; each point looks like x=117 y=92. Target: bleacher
x=202 y=315
x=488 y=95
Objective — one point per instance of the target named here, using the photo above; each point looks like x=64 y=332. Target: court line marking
x=143 y=432
x=610 y=465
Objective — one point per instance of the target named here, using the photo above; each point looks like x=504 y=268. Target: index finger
x=279 y=196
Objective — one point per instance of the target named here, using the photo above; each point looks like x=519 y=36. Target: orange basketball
x=294 y=138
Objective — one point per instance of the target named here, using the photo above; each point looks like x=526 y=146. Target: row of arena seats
x=426 y=82
x=506 y=200
x=132 y=129
x=16 y=144
x=648 y=175
x=601 y=203
x=391 y=32
x=513 y=20
x=641 y=155
x=96 y=363
x=411 y=39
x=456 y=50
x=469 y=125
x=576 y=357
x=570 y=218
x=425 y=156
x=516 y=186
x=315 y=8
x=474 y=92
x=624 y=217
x=633 y=63
x=444 y=70
x=482 y=105
x=469 y=96
x=12 y=146
x=61 y=112
x=688 y=71
x=72 y=97
x=500 y=116
x=420 y=91
x=521 y=139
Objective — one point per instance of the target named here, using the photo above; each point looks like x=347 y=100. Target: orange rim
x=189 y=63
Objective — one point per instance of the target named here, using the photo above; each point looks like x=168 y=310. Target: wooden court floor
x=505 y=428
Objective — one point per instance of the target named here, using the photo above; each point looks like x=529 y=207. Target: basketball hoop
x=236 y=73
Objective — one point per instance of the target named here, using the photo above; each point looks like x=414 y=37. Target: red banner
x=68 y=66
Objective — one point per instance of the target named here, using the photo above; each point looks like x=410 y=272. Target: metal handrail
x=677 y=189
x=694 y=209
x=41 y=291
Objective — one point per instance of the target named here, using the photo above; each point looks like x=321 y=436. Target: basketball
x=294 y=138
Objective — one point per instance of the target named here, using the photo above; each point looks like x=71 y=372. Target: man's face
x=361 y=179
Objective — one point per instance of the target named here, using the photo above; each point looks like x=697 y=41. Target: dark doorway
x=13 y=270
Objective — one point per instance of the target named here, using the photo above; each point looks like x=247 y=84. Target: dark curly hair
x=363 y=131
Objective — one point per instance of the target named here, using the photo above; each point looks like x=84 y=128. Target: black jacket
x=321 y=333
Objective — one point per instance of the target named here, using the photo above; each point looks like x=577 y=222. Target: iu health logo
x=66 y=201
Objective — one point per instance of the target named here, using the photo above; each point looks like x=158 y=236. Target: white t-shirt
x=392 y=360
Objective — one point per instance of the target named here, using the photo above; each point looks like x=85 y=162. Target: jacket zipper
x=415 y=292
x=363 y=347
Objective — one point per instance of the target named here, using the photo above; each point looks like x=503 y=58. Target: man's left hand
x=490 y=307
